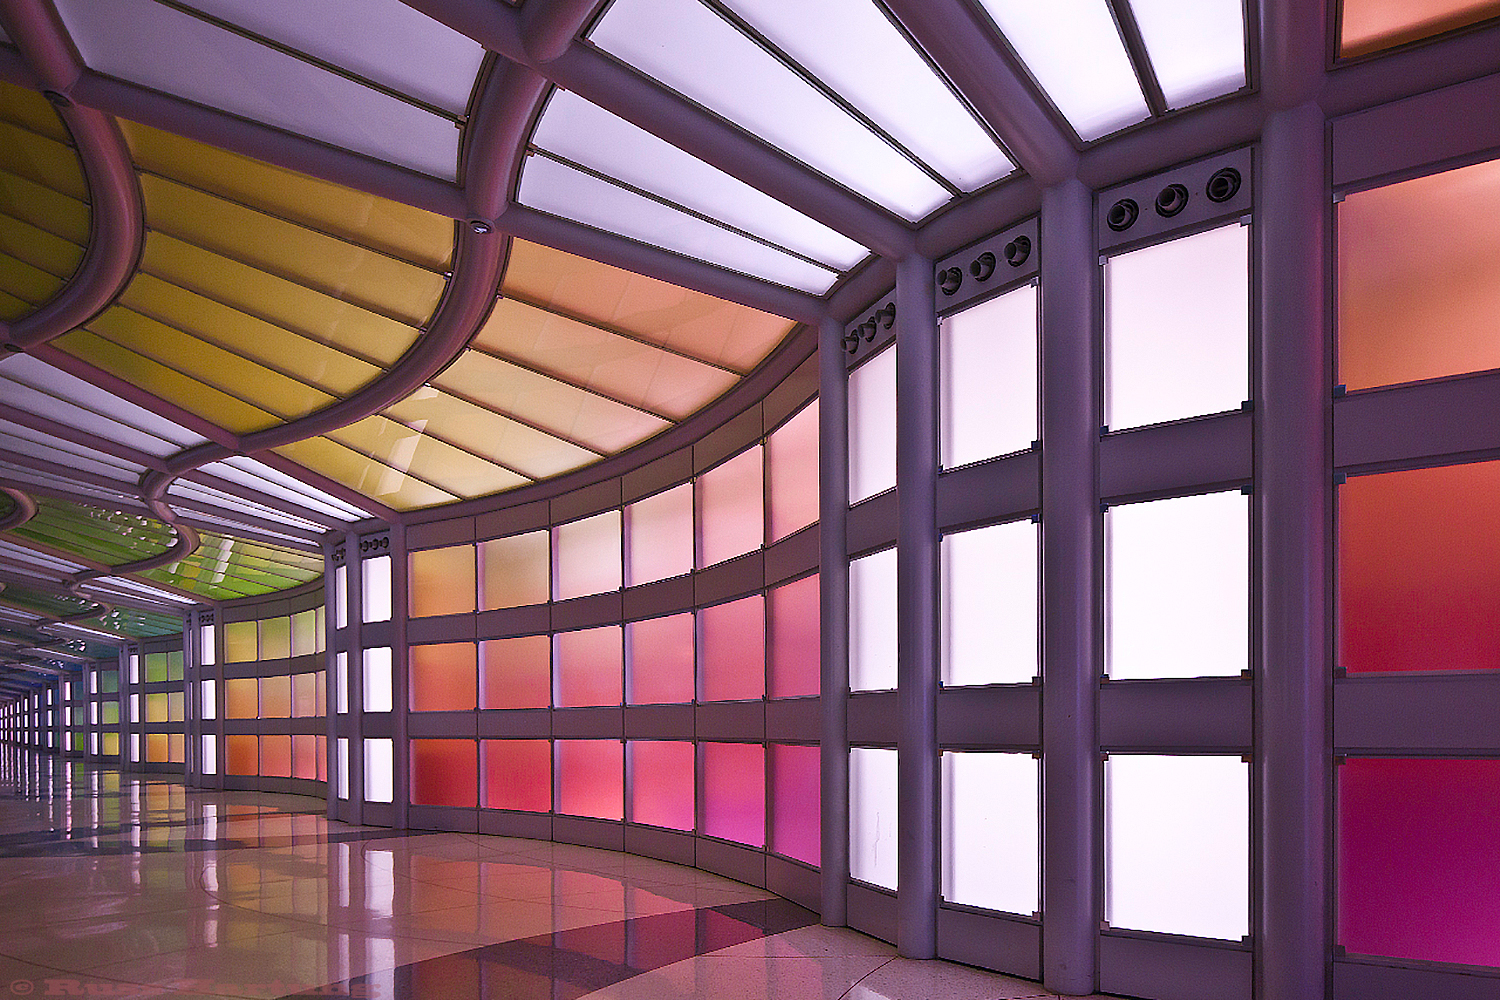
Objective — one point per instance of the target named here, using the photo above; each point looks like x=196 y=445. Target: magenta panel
x=732 y=651
x=1419 y=869
x=660 y=532
x=444 y=773
x=590 y=667
x=661 y=783
x=734 y=792
x=796 y=792
x=731 y=508
x=517 y=774
x=792 y=461
x=515 y=673
x=590 y=778
x=794 y=654
x=661 y=660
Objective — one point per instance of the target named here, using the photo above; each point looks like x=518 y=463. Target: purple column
x=833 y=587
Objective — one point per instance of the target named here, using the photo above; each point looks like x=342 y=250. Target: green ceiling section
x=225 y=568
x=43 y=603
x=106 y=536
x=140 y=624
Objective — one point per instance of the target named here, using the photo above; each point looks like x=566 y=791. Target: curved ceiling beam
x=25 y=509
x=44 y=43
x=548 y=27
x=13 y=69
x=495 y=142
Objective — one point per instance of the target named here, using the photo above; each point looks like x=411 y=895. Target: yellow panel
x=697 y=324
x=358 y=472
x=304 y=359
x=441 y=581
x=586 y=355
x=211 y=365
x=37 y=247
x=409 y=233
x=12 y=308
x=241 y=642
x=490 y=434
x=232 y=414
x=321 y=317
x=44 y=208
x=46 y=161
x=30 y=109
x=26 y=282
x=341 y=269
x=601 y=424
x=430 y=460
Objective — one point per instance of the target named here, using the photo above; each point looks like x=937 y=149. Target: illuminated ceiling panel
x=259 y=476
x=1197 y=50
x=1371 y=25
x=225 y=568
x=140 y=624
x=111 y=537
x=44 y=603
x=65 y=454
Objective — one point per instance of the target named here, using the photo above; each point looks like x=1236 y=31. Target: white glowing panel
x=990 y=605
x=589 y=557
x=1197 y=49
x=1177 y=328
x=206 y=645
x=1177 y=844
x=208 y=698
x=341 y=597
x=988 y=355
x=380 y=770
x=991 y=827
x=872 y=426
x=375 y=576
x=341 y=670
x=1075 y=52
x=1178 y=587
x=209 y=763
x=342 y=767
x=872 y=622
x=872 y=816
x=135 y=746
x=377 y=679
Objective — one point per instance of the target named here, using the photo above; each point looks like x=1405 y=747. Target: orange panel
x=275 y=697
x=441 y=581
x=444 y=677
x=241 y=755
x=517 y=672
x=241 y=698
x=1372 y=25
x=276 y=756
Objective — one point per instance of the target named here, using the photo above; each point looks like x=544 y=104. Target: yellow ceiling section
x=531 y=452
x=374 y=479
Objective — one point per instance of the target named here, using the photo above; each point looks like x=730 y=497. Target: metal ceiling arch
x=23 y=511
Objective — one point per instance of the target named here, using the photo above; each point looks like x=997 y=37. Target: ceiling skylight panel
x=527 y=450
x=854 y=48
x=277 y=488
x=1074 y=51
x=224 y=70
x=576 y=130
x=23 y=442
x=73 y=402
x=231 y=503
x=363 y=474
x=262 y=476
x=692 y=50
x=135 y=587
x=1197 y=49
x=40 y=560
x=562 y=190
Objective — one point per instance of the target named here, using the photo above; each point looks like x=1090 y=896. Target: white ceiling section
x=259 y=476
x=13 y=553
x=34 y=444
x=1197 y=49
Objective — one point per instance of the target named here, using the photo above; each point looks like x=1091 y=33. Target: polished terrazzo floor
x=116 y=885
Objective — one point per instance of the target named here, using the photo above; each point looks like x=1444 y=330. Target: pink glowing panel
x=305 y=757
x=305 y=695
x=1371 y=25
x=792 y=465
x=516 y=673
x=872 y=426
x=1419 y=570
x=241 y=700
x=441 y=581
x=517 y=774
x=1418 y=877
x=794 y=670
x=734 y=792
x=660 y=660
x=588 y=556
x=241 y=755
x=590 y=778
x=276 y=697
x=659 y=533
x=590 y=667
x=731 y=508
x=443 y=677
x=661 y=783
x=276 y=756
x=732 y=650
x=444 y=773
x=515 y=571
x=322 y=752
x=796 y=795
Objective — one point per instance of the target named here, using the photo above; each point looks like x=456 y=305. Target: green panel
x=140 y=624
x=58 y=605
x=174 y=665
x=224 y=568
x=156 y=668
x=111 y=537
x=109 y=681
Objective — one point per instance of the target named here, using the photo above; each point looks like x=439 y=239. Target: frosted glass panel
x=241 y=645
x=275 y=638
x=441 y=581
x=209 y=764
x=445 y=773
x=241 y=700
x=1177 y=844
x=991 y=825
x=732 y=655
x=1178 y=587
x=1197 y=49
x=342 y=765
x=515 y=571
x=872 y=426
x=872 y=622
x=872 y=816
x=590 y=667
x=988 y=355
x=206 y=651
x=380 y=770
x=588 y=556
x=1177 y=328
x=516 y=673
x=731 y=507
x=207 y=700
x=661 y=783
x=660 y=533
x=376 y=595
x=660 y=660
x=443 y=677
x=276 y=697
x=305 y=632
x=341 y=697
x=796 y=792
x=517 y=774
x=341 y=597
x=590 y=778
x=990 y=605
x=734 y=792
x=792 y=465
x=135 y=708
x=794 y=670
x=377 y=677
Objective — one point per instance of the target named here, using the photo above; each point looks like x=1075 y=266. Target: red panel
x=444 y=773
x=661 y=783
x=733 y=650
x=734 y=792
x=516 y=673
x=1419 y=570
x=276 y=756
x=305 y=757
x=731 y=508
x=590 y=778
x=796 y=789
x=1419 y=870
x=241 y=755
x=444 y=677
x=322 y=758
x=661 y=660
x=590 y=667
x=792 y=460
x=794 y=654
x=517 y=774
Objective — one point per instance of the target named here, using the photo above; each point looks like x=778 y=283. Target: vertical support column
x=400 y=701
x=918 y=785
x=833 y=595
x=1293 y=477
x=330 y=673
x=192 y=708
x=1070 y=590
x=354 y=722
